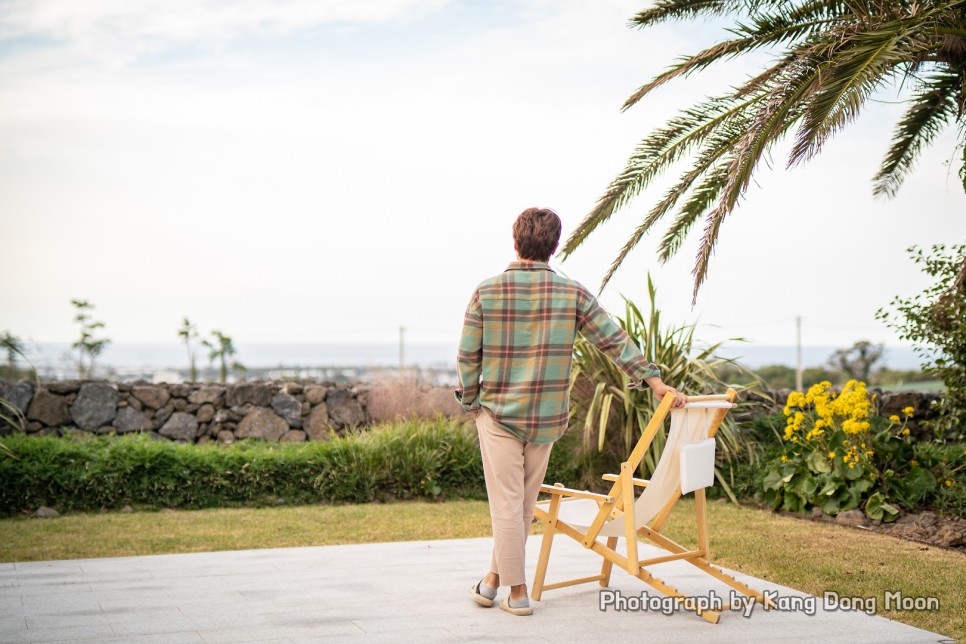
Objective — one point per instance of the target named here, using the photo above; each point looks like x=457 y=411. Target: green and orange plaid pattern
x=516 y=349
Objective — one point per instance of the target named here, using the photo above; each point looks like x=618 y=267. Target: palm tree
x=832 y=55
x=188 y=334
x=222 y=348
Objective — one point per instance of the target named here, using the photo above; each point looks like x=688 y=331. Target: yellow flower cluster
x=851 y=456
x=849 y=411
x=852 y=405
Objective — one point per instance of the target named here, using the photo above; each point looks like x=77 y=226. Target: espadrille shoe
x=478 y=597
x=521 y=610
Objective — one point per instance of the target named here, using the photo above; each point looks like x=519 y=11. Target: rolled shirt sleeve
x=600 y=330
x=469 y=359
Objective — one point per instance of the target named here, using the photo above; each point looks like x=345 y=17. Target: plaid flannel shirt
x=516 y=349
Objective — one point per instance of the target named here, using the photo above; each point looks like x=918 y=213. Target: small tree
x=87 y=345
x=858 y=361
x=189 y=334
x=13 y=347
x=935 y=322
x=221 y=348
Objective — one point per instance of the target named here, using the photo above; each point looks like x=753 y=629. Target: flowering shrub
x=837 y=455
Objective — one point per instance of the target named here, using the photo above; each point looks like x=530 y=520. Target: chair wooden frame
x=619 y=503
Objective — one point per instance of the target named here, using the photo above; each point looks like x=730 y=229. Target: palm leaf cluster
x=830 y=58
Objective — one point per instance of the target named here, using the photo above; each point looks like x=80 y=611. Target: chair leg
x=702 y=521
x=630 y=532
x=666 y=589
x=541 y=573
x=608 y=564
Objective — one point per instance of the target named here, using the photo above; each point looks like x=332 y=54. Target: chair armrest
x=579 y=494
x=637 y=482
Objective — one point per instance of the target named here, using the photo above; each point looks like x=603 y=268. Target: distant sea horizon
x=53 y=356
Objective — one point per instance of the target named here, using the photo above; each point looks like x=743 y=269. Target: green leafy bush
x=835 y=454
x=415 y=459
x=935 y=321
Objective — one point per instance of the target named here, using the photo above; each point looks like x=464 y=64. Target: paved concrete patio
x=387 y=592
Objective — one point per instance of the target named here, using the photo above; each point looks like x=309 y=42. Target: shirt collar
x=529 y=265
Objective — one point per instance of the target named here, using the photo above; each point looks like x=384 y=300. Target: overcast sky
x=326 y=171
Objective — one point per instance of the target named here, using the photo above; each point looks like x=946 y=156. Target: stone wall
x=286 y=411
x=276 y=410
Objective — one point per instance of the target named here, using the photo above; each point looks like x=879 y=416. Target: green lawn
x=811 y=557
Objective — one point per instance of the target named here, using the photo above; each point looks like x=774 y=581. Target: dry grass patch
x=401 y=397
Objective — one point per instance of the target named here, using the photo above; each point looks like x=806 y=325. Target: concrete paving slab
x=388 y=592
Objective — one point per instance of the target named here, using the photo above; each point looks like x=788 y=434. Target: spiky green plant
x=10 y=415
x=830 y=57
x=685 y=363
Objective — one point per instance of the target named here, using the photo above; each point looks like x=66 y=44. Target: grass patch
x=811 y=557
x=818 y=557
x=82 y=536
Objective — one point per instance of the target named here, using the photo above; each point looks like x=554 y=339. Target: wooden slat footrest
x=692 y=554
x=573 y=582
x=580 y=494
x=637 y=482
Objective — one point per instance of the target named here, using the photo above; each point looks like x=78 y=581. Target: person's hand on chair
x=660 y=389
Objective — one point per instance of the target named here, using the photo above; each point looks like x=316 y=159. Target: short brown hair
x=536 y=233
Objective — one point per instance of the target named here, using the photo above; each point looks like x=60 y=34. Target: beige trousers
x=514 y=470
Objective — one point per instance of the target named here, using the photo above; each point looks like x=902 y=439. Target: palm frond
x=654 y=154
x=771 y=123
x=717 y=148
x=666 y=10
x=834 y=55
x=932 y=107
x=848 y=78
x=706 y=248
x=772 y=120
x=700 y=200
x=763 y=32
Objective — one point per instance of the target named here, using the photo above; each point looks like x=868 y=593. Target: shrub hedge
x=402 y=460
x=418 y=459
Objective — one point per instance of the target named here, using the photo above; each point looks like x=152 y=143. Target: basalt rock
x=180 y=427
x=288 y=407
x=344 y=409
x=254 y=393
x=95 y=406
x=262 y=423
x=18 y=394
x=49 y=409
x=152 y=396
x=129 y=419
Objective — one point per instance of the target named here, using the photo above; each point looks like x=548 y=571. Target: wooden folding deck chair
x=585 y=516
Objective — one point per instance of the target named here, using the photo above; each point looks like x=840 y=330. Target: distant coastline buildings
x=429 y=363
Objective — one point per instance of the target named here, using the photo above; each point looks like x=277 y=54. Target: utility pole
x=798 y=354
x=402 y=362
